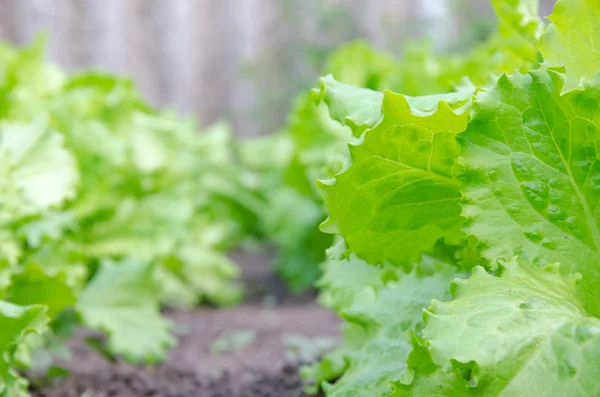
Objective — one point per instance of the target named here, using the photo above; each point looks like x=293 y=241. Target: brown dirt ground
x=259 y=369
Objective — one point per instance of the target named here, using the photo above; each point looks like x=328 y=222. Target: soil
x=259 y=366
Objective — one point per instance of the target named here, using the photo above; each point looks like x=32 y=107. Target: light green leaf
x=26 y=80
x=358 y=108
x=359 y=64
x=343 y=280
x=146 y=228
x=51 y=225
x=198 y=273
x=301 y=245
x=190 y=265
x=520 y=25
x=532 y=175
x=61 y=258
x=399 y=196
x=10 y=249
x=155 y=141
x=521 y=334
x=361 y=108
x=572 y=40
x=123 y=300
x=32 y=287
x=37 y=171
x=316 y=138
x=460 y=101
x=387 y=312
x=16 y=323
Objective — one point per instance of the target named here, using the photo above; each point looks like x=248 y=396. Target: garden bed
x=256 y=364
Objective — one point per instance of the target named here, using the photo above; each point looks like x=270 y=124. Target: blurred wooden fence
x=236 y=59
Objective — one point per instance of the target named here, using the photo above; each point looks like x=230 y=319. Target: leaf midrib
x=581 y=197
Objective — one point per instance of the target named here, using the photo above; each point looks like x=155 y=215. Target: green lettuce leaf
x=531 y=175
x=146 y=228
x=519 y=25
x=10 y=251
x=197 y=270
x=399 y=196
x=37 y=171
x=16 y=323
x=381 y=316
x=123 y=301
x=60 y=258
x=32 y=286
x=358 y=108
x=571 y=40
x=522 y=333
x=301 y=246
x=27 y=80
x=343 y=280
x=359 y=64
x=50 y=226
x=361 y=108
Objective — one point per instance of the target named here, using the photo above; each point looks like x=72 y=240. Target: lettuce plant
x=109 y=209
x=491 y=184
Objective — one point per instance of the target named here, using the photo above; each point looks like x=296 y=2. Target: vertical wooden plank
x=32 y=16
x=118 y=36
x=173 y=22
x=214 y=43
x=193 y=46
x=104 y=34
x=7 y=20
x=246 y=19
x=77 y=38
x=62 y=34
x=380 y=21
x=436 y=22
x=140 y=49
